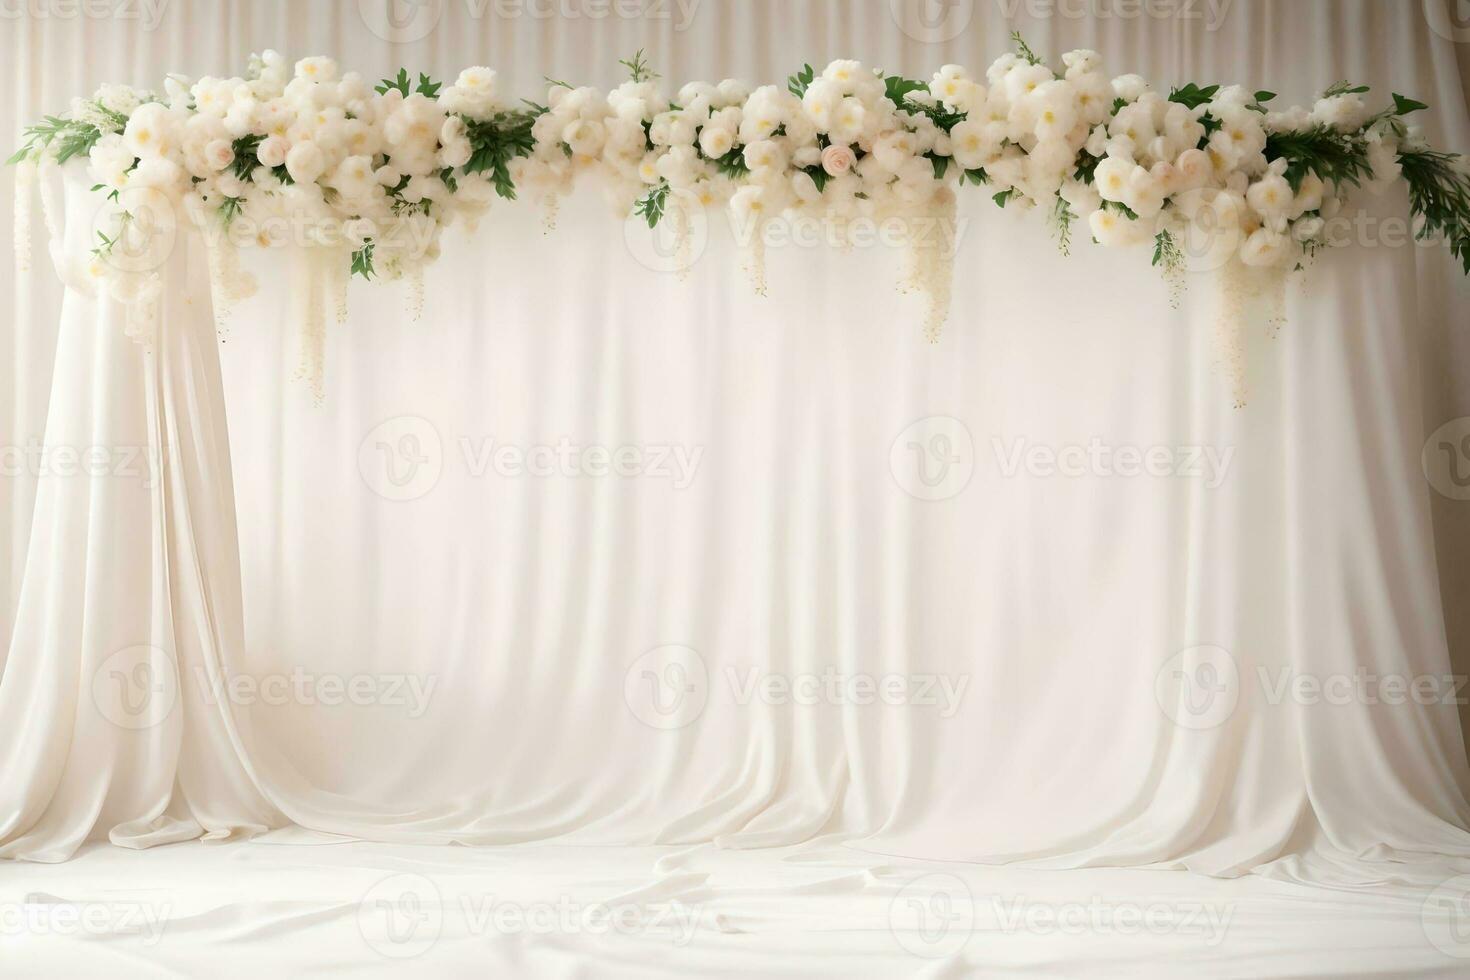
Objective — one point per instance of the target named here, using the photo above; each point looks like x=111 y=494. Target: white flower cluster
x=308 y=156
x=842 y=149
x=303 y=156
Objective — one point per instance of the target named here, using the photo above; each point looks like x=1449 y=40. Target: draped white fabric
x=459 y=579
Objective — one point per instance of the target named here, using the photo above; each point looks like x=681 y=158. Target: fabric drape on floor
x=510 y=629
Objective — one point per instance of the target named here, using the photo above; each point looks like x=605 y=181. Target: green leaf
x=401 y=83
x=1402 y=105
x=941 y=165
x=427 y=87
x=651 y=205
x=362 y=260
x=1263 y=96
x=897 y=88
x=1004 y=197
x=732 y=164
x=1344 y=88
x=977 y=176
x=18 y=155
x=1192 y=96
x=495 y=142
x=798 y=83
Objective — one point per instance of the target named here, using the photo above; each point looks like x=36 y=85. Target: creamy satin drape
x=524 y=601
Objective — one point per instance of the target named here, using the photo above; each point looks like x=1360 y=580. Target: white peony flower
x=805 y=187
x=1343 y=113
x=1270 y=197
x=1111 y=178
x=1082 y=61
x=716 y=141
x=849 y=122
x=973 y=145
x=305 y=162
x=893 y=150
x=846 y=75
x=317 y=69
x=1112 y=229
x=821 y=101
x=1129 y=87
x=1194 y=169
x=765 y=157
x=150 y=131
x=1265 y=248
x=585 y=137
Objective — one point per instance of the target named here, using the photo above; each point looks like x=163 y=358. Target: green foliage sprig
x=638 y=68
x=495 y=142
x=426 y=86
x=651 y=205
x=1023 y=49
x=1439 y=193
x=72 y=138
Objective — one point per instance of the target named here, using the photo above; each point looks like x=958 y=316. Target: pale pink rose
x=219 y=154
x=838 y=160
x=272 y=151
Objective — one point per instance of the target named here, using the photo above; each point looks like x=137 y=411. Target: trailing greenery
x=651 y=205
x=1338 y=157
x=1062 y=217
x=362 y=260
x=1167 y=253
x=71 y=138
x=1439 y=193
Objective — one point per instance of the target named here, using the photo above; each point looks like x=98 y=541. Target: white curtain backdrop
x=772 y=522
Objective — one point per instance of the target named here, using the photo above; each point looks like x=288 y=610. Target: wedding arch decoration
x=374 y=174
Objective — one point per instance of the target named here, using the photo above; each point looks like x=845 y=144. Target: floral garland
x=379 y=172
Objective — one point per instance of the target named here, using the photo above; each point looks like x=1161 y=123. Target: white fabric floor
x=337 y=908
